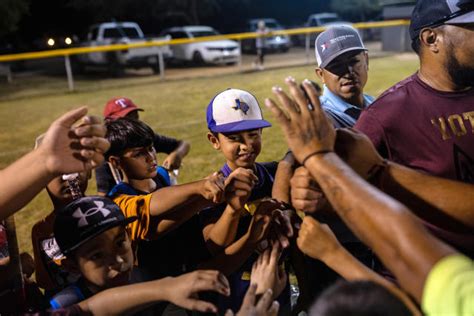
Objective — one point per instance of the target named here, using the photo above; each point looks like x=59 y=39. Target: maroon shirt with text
x=417 y=126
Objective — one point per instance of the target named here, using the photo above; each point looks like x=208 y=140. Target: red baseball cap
x=119 y=107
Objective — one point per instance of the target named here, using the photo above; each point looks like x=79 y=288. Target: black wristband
x=314 y=154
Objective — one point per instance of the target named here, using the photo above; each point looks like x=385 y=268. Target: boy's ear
x=115 y=161
x=214 y=141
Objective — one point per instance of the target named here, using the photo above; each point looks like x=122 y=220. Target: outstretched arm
x=65 y=149
x=404 y=246
x=319 y=242
x=182 y=291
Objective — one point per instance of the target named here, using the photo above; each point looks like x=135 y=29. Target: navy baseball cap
x=433 y=13
x=84 y=219
x=334 y=42
x=234 y=110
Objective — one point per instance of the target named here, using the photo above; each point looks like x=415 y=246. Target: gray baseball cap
x=336 y=41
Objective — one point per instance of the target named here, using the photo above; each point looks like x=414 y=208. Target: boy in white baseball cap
x=236 y=229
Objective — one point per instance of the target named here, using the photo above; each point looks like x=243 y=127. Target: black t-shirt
x=103 y=176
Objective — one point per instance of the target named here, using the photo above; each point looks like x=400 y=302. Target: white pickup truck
x=116 y=61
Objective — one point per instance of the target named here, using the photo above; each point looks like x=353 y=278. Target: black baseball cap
x=334 y=42
x=84 y=219
x=433 y=13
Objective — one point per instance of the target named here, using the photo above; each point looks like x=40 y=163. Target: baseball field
x=174 y=108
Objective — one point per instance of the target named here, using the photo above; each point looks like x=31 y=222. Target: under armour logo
x=122 y=103
x=239 y=105
x=90 y=212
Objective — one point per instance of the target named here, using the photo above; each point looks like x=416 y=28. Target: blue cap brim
x=241 y=126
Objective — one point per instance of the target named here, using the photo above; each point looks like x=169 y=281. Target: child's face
x=106 y=261
x=59 y=189
x=240 y=149
x=139 y=163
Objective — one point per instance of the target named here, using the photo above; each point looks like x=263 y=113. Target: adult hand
x=357 y=151
x=267 y=274
x=172 y=161
x=68 y=148
x=183 y=290
x=213 y=188
x=306 y=127
x=238 y=187
x=306 y=196
x=317 y=240
x=264 y=307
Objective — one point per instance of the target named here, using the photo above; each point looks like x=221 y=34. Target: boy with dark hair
x=162 y=209
x=93 y=234
x=237 y=229
x=175 y=149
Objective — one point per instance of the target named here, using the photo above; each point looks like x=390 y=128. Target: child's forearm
x=125 y=299
x=229 y=260
x=169 y=199
x=222 y=233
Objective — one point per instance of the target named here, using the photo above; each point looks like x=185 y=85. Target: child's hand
x=172 y=161
x=317 y=240
x=213 y=188
x=183 y=290
x=267 y=274
x=262 y=220
x=238 y=187
x=264 y=307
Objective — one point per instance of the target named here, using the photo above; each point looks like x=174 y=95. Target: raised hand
x=306 y=127
x=317 y=240
x=68 y=148
x=238 y=187
x=213 y=188
x=172 y=161
x=267 y=274
x=183 y=290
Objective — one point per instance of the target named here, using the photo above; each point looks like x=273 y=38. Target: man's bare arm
x=381 y=222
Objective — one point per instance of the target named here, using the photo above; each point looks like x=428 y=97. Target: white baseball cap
x=234 y=110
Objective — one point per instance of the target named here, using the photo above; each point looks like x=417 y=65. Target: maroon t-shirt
x=425 y=129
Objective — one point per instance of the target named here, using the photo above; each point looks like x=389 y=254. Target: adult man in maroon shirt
x=427 y=120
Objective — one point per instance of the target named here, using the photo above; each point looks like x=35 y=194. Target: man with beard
x=426 y=121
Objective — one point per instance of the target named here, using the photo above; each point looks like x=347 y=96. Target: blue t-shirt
x=240 y=281
x=343 y=114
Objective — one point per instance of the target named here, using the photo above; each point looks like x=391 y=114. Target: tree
x=356 y=10
x=11 y=12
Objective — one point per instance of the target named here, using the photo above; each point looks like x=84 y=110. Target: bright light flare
x=51 y=42
x=68 y=41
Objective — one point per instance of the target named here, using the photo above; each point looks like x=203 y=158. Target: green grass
x=173 y=108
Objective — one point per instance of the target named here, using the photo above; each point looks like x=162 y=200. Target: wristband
x=314 y=154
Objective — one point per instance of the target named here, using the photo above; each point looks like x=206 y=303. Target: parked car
x=120 y=33
x=280 y=43
x=325 y=19
x=212 y=52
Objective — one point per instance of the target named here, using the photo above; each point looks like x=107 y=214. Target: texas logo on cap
x=234 y=110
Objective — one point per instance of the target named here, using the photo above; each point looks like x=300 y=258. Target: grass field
x=173 y=108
